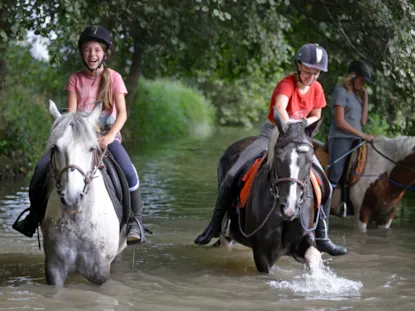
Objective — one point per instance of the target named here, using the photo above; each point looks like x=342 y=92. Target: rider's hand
x=105 y=140
x=368 y=137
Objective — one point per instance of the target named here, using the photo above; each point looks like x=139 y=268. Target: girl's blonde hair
x=105 y=85
x=347 y=83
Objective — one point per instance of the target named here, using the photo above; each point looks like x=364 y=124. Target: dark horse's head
x=290 y=159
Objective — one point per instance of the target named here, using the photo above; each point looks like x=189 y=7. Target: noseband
x=88 y=176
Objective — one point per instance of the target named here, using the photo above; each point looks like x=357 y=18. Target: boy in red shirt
x=297 y=96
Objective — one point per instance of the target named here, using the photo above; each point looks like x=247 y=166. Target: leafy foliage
x=167 y=109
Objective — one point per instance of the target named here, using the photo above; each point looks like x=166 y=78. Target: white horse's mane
x=397 y=148
x=82 y=131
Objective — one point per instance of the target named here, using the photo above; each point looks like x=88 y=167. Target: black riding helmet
x=313 y=56
x=95 y=33
x=362 y=69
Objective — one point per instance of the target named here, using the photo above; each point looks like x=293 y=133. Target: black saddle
x=117 y=187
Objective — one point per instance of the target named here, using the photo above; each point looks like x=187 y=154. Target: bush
x=24 y=127
x=166 y=109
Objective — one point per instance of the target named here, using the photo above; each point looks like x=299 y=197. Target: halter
x=88 y=176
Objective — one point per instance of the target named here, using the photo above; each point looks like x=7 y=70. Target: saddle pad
x=248 y=180
x=356 y=165
x=316 y=183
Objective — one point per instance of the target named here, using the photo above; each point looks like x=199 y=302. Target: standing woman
x=349 y=107
x=297 y=96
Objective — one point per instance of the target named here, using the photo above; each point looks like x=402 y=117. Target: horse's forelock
x=82 y=132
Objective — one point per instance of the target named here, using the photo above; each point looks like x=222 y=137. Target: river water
x=171 y=273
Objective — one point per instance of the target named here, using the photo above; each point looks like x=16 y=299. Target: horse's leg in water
x=307 y=249
x=261 y=258
x=94 y=268
x=55 y=272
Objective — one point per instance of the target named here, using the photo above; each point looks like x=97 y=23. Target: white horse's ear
x=95 y=114
x=54 y=110
x=281 y=124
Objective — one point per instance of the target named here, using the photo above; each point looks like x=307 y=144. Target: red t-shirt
x=299 y=105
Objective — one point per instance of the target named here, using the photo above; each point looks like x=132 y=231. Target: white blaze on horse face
x=292 y=194
x=74 y=153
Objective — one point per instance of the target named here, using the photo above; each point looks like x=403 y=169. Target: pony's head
x=74 y=146
x=290 y=158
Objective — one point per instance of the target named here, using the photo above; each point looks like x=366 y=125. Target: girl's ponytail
x=105 y=89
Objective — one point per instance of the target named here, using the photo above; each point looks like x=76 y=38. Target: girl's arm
x=281 y=103
x=342 y=124
x=364 y=107
x=71 y=101
x=119 y=122
x=314 y=116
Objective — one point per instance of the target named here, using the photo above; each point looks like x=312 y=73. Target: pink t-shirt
x=86 y=94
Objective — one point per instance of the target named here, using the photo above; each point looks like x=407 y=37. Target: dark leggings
x=122 y=158
x=337 y=148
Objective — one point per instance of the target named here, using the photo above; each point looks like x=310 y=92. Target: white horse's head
x=74 y=146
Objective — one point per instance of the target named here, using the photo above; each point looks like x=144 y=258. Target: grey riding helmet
x=313 y=56
x=362 y=69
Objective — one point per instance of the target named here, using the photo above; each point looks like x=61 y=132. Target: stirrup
x=20 y=215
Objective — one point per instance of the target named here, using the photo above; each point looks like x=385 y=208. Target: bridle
x=88 y=176
x=277 y=180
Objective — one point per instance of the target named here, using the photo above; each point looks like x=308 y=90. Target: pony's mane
x=399 y=147
x=82 y=130
x=294 y=131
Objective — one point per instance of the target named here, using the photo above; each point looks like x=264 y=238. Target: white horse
x=81 y=230
x=389 y=171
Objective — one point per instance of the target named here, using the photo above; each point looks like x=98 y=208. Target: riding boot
x=38 y=200
x=324 y=244
x=135 y=231
x=213 y=229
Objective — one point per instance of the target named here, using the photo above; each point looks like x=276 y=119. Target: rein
x=88 y=176
x=389 y=159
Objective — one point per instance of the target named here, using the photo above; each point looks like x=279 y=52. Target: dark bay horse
x=279 y=212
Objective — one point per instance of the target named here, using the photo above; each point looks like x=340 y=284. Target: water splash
x=317 y=282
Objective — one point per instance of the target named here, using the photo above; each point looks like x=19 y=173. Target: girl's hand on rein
x=106 y=140
x=368 y=137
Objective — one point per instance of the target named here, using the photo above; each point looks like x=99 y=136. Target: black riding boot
x=38 y=200
x=324 y=244
x=213 y=229
x=135 y=231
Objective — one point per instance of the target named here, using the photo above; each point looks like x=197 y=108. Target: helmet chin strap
x=96 y=70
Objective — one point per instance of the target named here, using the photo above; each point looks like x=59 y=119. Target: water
x=171 y=273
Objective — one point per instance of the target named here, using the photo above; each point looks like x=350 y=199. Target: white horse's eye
x=92 y=149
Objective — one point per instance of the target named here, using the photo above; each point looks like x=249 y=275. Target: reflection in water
x=171 y=273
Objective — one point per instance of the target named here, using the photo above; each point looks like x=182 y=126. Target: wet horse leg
x=55 y=272
x=94 y=268
x=261 y=259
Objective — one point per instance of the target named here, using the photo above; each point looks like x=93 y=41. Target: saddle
x=355 y=164
x=117 y=187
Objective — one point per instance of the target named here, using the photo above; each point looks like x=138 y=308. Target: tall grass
x=166 y=109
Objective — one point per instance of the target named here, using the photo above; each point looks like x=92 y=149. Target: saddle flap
x=117 y=187
x=248 y=180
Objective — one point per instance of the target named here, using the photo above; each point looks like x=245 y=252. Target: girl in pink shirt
x=84 y=89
